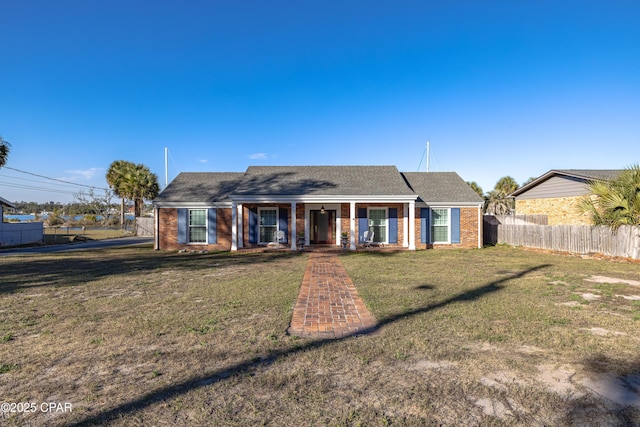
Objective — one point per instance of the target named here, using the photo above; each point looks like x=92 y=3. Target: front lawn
x=498 y=336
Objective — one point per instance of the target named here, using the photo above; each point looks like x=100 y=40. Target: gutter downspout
x=480 y=227
x=156 y=220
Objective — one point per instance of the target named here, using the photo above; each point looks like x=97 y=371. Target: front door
x=323 y=227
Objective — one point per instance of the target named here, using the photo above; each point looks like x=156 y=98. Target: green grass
x=68 y=234
x=137 y=337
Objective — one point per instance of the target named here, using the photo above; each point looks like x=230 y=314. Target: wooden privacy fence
x=492 y=222
x=144 y=226
x=581 y=239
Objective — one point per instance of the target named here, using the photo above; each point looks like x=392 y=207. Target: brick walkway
x=328 y=305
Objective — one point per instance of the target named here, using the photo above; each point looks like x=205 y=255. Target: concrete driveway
x=93 y=244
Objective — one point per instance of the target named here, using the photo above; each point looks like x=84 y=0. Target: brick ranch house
x=314 y=205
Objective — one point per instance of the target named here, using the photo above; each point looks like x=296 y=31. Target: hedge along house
x=314 y=205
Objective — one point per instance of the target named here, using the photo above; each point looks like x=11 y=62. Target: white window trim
x=271 y=208
x=206 y=226
x=448 y=241
x=386 y=225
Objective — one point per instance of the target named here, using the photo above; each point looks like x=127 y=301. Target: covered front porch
x=329 y=224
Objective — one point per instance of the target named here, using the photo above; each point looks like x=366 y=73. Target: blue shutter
x=425 y=226
x=253 y=225
x=393 y=225
x=183 y=224
x=455 y=225
x=213 y=226
x=283 y=222
x=363 y=224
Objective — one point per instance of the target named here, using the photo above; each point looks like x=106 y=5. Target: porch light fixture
x=322 y=209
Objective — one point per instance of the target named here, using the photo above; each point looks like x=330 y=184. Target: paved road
x=93 y=244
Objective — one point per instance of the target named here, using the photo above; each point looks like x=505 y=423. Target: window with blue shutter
x=213 y=226
x=283 y=223
x=183 y=224
x=253 y=225
x=455 y=225
x=393 y=225
x=425 y=226
x=363 y=225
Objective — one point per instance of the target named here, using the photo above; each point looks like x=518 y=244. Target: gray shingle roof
x=212 y=187
x=323 y=180
x=591 y=174
x=201 y=187
x=441 y=187
x=5 y=202
x=585 y=174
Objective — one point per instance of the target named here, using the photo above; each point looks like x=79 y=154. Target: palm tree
x=143 y=184
x=134 y=182
x=475 y=187
x=4 y=151
x=497 y=202
x=616 y=202
x=117 y=170
x=506 y=185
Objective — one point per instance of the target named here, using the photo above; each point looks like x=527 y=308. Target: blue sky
x=498 y=87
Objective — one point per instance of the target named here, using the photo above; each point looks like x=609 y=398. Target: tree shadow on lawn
x=615 y=393
x=80 y=268
x=248 y=365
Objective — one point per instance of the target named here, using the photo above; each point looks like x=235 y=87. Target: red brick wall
x=299 y=218
x=168 y=227
x=345 y=219
x=469 y=227
x=468 y=230
x=168 y=224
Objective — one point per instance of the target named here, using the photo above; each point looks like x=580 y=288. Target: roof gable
x=573 y=175
x=441 y=187
x=7 y=203
x=201 y=187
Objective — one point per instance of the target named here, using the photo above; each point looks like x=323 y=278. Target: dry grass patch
x=477 y=337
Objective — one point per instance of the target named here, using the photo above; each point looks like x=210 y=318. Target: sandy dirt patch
x=602 y=332
x=630 y=297
x=431 y=365
x=605 y=279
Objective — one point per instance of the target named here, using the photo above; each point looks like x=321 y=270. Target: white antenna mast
x=428 y=147
x=166 y=167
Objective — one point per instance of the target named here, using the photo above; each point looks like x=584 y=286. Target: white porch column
x=234 y=227
x=405 y=227
x=240 y=236
x=352 y=226
x=412 y=225
x=294 y=232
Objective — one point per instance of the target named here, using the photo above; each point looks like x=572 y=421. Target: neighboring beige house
x=557 y=194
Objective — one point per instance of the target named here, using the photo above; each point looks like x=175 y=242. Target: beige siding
x=555 y=187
